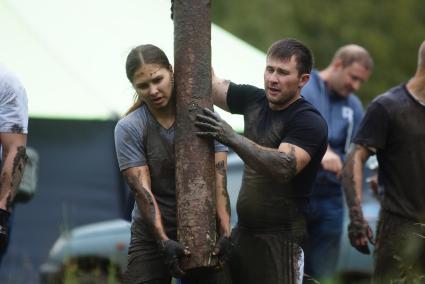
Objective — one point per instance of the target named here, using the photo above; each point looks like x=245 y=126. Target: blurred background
x=391 y=30
x=70 y=56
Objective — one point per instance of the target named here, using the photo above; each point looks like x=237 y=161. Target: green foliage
x=391 y=30
x=90 y=271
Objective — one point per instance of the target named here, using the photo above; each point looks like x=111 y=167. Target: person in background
x=13 y=139
x=393 y=129
x=331 y=91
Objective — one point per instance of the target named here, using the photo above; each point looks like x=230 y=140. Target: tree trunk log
x=195 y=175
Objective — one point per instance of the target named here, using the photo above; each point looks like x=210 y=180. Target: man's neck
x=416 y=86
x=277 y=107
x=325 y=74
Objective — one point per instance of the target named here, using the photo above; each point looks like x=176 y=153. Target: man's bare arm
x=14 y=159
x=282 y=164
x=219 y=91
x=359 y=231
x=222 y=196
x=224 y=245
x=138 y=179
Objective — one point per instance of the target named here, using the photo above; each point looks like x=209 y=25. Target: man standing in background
x=13 y=138
x=331 y=91
x=393 y=129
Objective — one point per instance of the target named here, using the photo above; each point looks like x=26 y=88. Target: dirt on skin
x=16 y=128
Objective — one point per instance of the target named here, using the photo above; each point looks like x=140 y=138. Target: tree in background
x=390 y=30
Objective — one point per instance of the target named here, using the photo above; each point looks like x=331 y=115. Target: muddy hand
x=211 y=125
x=360 y=234
x=223 y=249
x=173 y=251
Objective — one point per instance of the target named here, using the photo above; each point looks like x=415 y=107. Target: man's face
x=349 y=79
x=282 y=82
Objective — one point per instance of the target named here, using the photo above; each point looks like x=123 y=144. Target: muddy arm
x=222 y=196
x=282 y=164
x=138 y=179
x=359 y=231
x=219 y=91
x=14 y=159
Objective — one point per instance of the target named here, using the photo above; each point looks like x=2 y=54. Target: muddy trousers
x=399 y=254
x=266 y=258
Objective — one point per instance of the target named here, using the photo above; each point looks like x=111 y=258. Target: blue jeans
x=324 y=229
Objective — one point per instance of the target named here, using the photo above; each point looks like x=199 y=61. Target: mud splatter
x=280 y=165
x=19 y=162
x=16 y=128
x=221 y=170
x=144 y=201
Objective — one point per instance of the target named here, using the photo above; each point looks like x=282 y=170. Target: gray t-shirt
x=139 y=141
x=13 y=103
x=394 y=125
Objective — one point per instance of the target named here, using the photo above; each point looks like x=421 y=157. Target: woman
x=144 y=141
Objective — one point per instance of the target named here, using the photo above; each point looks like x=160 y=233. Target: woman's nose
x=153 y=90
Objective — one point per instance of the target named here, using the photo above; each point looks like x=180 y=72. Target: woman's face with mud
x=153 y=83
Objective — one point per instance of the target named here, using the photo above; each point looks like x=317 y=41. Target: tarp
x=70 y=54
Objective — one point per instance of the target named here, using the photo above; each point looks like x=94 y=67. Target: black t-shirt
x=264 y=202
x=394 y=124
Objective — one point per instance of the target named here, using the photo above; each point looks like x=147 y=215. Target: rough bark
x=195 y=178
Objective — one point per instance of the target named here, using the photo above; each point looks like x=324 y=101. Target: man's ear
x=303 y=80
x=337 y=63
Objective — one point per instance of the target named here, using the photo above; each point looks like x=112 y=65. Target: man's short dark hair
x=284 y=49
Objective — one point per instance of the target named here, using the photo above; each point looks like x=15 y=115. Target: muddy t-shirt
x=264 y=203
x=139 y=141
x=394 y=124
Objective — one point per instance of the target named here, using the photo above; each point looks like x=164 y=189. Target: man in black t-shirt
x=284 y=140
x=393 y=128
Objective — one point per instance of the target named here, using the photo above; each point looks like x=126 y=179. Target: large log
x=195 y=175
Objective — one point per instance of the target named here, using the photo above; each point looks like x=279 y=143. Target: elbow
x=286 y=167
x=286 y=175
